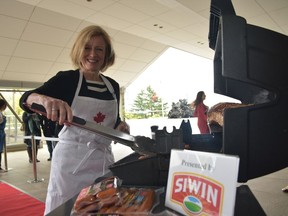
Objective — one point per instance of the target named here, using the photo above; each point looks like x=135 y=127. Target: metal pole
x=5 y=156
x=34 y=160
x=34 y=157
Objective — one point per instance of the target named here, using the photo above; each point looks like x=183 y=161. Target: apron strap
x=83 y=161
x=92 y=148
x=109 y=86
x=111 y=89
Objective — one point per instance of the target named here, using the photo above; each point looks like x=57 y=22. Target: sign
x=202 y=183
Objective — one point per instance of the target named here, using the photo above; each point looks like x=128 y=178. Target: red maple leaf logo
x=99 y=117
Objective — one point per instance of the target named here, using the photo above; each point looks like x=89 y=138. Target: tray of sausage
x=109 y=197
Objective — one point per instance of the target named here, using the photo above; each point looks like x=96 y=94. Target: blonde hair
x=83 y=38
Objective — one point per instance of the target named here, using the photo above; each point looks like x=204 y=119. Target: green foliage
x=147 y=105
x=181 y=109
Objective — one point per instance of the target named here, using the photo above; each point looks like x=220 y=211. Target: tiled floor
x=267 y=189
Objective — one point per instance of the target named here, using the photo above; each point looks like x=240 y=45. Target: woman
x=201 y=112
x=80 y=156
x=3 y=106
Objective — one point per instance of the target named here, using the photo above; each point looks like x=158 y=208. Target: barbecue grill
x=250 y=64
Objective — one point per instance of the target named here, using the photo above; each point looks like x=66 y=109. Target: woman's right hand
x=56 y=109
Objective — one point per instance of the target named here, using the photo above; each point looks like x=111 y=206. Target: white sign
x=202 y=183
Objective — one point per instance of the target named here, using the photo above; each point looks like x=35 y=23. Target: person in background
x=80 y=156
x=3 y=106
x=49 y=129
x=201 y=112
x=32 y=127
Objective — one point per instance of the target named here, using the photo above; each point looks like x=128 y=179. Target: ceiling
x=36 y=35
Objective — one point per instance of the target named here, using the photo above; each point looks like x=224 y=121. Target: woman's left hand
x=124 y=127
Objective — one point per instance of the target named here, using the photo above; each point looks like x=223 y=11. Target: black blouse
x=63 y=86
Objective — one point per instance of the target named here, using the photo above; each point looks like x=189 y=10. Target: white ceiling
x=36 y=35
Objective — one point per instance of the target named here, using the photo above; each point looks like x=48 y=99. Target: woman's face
x=203 y=96
x=93 y=55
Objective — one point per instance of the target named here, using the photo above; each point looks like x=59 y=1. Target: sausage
x=109 y=201
x=80 y=203
x=94 y=207
x=216 y=113
x=106 y=193
x=140 y=200
x=109 y=210
x=146 y=205
x=126 y=201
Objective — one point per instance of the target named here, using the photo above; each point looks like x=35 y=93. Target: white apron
x=81 y=156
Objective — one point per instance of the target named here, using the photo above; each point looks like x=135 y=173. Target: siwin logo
x=192 y=204
x=197 y=194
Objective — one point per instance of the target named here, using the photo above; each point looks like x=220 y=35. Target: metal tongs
x=140 y=144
